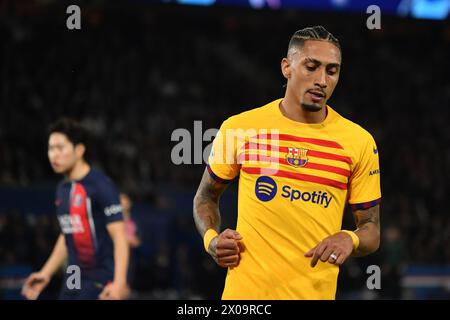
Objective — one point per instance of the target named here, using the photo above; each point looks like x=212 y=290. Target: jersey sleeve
x=222 y=162
x=364 y=185
x=109 y=202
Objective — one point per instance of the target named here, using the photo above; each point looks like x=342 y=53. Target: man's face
x=61 y=153
x=312 y=72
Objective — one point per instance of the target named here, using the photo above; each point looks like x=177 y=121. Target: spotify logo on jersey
x=265 y=188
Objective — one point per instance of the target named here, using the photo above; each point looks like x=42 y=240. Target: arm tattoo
x=371 y=215
x=206 y=204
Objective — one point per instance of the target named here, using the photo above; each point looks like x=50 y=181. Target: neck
x=78 y=172
x=291 y=109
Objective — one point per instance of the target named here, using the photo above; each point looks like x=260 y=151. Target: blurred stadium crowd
x=134 y=74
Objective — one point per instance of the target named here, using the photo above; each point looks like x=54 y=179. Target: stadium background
x=137 y=70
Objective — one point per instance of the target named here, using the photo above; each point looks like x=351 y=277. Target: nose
x=321 y=79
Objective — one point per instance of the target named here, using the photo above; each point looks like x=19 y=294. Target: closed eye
x=332 y=72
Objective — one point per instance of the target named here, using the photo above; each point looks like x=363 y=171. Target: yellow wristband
x=208 y=236
x=355 y=238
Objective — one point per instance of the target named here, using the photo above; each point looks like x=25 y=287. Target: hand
x=34 y=285
x=115 y=291
x=225 y=248
x=340 y=244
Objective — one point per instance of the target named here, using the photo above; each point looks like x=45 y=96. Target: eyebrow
x=317 y=62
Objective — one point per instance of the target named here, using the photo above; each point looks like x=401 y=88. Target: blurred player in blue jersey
x=92 y=238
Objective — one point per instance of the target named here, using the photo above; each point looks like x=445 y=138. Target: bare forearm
x=368 y=223
x=206 y=204
x=206 y=214
x=57 y=257
x=369 y=240
x=121 y=255
x=121 y=251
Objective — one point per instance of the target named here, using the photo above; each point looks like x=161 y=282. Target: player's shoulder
x=100 y=179
x=251 y=117
x=358 y=133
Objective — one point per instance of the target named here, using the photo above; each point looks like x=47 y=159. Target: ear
x=286 y=68
x=80 y=149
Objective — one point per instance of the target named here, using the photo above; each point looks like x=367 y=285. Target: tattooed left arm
x=368 y=223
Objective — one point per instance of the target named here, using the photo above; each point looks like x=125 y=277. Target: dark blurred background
x=138 y=70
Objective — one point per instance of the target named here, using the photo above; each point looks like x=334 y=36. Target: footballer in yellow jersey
x=299 y=164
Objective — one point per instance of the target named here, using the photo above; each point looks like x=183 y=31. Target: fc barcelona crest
x=297 y=157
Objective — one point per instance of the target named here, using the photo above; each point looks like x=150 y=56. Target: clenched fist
x=226 y=248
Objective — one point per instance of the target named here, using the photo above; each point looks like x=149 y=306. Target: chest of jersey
x=74 y=209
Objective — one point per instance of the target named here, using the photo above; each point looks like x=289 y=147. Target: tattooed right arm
x=206 y=204
x=224 y=248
